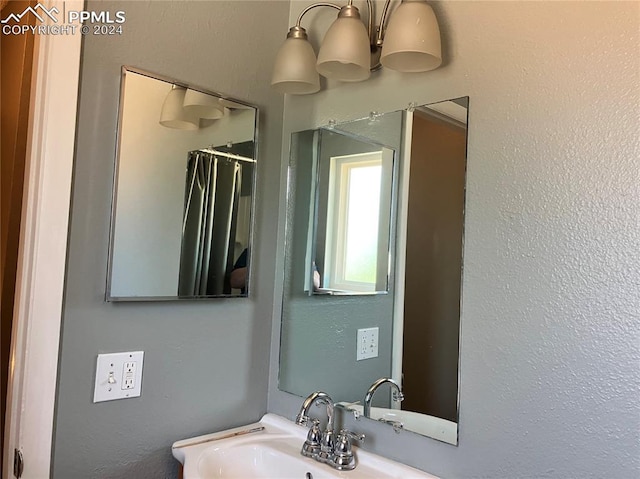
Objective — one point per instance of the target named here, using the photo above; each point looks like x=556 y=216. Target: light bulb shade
x=345 y=53
x=295 y=68
x=202 y=105
x=412 y=40
x=173 y=115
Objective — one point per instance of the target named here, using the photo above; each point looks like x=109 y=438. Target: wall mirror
x=183 y=192
x=418 y=320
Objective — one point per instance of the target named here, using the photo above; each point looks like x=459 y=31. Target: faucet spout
x=317 y=397
x=398 y=395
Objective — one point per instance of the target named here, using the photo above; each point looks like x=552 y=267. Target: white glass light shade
x=173 y=115
x=202 y=105
x=412 y=39
x=295 y=68
x=345 y=53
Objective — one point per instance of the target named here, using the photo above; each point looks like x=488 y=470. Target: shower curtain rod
x=231 y=156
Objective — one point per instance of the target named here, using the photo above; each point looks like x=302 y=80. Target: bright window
x=357 y=222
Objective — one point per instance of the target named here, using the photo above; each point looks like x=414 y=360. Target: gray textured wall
x=205 y=362
x=550 y=331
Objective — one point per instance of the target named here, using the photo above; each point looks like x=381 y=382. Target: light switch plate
x=118 y=376
x=367 y=343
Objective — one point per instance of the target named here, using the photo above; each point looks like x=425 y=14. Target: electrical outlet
x=129 y=375
x=118 y=376
x=367 y=343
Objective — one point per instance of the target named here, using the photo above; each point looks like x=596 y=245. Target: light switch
x=367 y=343
x=118 y=376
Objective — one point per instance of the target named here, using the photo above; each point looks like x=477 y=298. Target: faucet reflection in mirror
x=183 y=192
x=349 y=52
x=397 y=394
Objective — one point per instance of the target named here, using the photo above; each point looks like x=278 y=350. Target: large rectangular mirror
x=183 y=192
x=417 y=322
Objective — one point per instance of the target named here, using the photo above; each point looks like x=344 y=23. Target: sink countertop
x=273 y=451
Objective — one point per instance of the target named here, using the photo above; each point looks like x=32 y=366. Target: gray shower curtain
x=208 y=230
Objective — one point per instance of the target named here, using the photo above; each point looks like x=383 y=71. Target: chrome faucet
x=397 y=394
x=317 y=397
x=327 y=442
x=322 y=446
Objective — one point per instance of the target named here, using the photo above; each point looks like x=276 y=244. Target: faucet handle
x=343 y=458
x=314 y=432
x=311 y=446
x=343 y=442
x=352 y=435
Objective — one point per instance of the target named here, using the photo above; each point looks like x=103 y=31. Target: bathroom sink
x=431 y=426
x=271 y=449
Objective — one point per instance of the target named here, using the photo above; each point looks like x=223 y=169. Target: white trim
x=401 y=254
x=339 y=201
x=449 y=109
x=42 y=255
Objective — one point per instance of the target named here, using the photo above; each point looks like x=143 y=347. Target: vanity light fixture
x=345 y=53
x=349 y=51
x=412 y=39
x=295 y=68
x=173 y=113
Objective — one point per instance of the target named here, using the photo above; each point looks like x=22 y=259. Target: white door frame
x=40 y=276
x=401 y=260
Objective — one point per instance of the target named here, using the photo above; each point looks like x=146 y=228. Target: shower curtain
x=208 y=229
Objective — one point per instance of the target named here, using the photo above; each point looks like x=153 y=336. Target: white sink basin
x=274 y=452
x=431 y=426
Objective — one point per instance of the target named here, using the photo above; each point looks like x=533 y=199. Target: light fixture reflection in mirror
x=202 y=105
x=183 y=199
x=418 y=320
x=173 y=114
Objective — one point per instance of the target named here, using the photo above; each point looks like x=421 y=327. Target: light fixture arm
x=371 y=26
x=375 y=35
x=315 y=5
x=380 y=34
x=371 y=17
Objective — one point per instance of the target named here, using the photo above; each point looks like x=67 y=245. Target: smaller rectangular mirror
x=183 y=192
x=352 y=215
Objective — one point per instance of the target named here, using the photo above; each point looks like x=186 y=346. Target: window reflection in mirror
x=353 y=215
x=183 y=192
x=419 y=320
x=319 y=330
